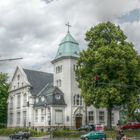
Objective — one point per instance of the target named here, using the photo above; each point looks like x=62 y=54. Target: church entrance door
x=78 y=120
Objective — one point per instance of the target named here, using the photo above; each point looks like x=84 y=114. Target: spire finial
x=68 y=25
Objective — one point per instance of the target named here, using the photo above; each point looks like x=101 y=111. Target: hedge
x=9 y=131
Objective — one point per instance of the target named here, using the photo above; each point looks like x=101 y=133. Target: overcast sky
x=32 y=29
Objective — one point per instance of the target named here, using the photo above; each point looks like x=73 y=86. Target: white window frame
x=42 y=115
x=18 y=117
x=25 y=99
x=77 y=100
x=59 y=83
x=24 y=117
x=36 y=115
x=91 y=116
x=11 y=102
x=58 y=113
x=18 y=101
x=102 y=117
x=11 y=118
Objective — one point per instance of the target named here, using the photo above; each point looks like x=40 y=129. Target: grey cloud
x=33 y=29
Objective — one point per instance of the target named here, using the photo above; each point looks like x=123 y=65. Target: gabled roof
x=38 y=80
x=50 y=93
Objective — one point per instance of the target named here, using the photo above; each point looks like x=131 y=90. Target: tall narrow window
x=36 y=115
x=18 y=117
x=101 y=116
x=42 y=115
x=11 y=118
x=59 y=69
x=58 y=83
x=11 y=103
x=18 y=101
x=24 y=118
x=74 y=99
x=77 y=99
x=58 y=117
x=91 y=116
x=24 y=100
x=113 y=118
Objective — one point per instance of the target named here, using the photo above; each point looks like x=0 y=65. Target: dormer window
x=57 y=96
x=42 y=98
x=37 y=100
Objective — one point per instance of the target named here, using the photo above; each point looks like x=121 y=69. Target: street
x=33 y=138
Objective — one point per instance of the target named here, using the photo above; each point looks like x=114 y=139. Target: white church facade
x=43 y=100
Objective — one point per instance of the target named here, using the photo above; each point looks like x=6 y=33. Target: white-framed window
x=36 y=115
x=11 y=102
x=18 y=101
x=77 y=99
x=101 y=116
x=58 y=117
x=91 y=116
x=59 y=69
x=24 y=117
x=18 y=117
x=58 y=83
x=25 y=100
x=11 y=118
x=42 y=115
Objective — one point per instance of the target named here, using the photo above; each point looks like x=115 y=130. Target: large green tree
x=108 y=70
x=3 y=98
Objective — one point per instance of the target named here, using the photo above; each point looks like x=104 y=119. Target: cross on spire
x=68 y=25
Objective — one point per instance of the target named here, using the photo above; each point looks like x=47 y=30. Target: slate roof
x=38 y=80
x=50 y=93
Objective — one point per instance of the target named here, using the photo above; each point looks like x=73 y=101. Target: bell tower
x=64 y=72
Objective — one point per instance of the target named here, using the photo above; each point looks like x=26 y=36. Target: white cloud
x=132 y=30
x=33 y=28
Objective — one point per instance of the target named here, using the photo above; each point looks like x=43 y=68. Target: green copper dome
x=68 y=47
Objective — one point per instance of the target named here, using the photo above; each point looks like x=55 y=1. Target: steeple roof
x=68 y=47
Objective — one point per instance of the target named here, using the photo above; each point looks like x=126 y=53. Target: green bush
x=110 y=134
x=9 y=131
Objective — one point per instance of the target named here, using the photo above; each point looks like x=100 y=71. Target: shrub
x=9 y=131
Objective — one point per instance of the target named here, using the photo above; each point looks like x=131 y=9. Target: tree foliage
x=3 y=98
x=108 y=71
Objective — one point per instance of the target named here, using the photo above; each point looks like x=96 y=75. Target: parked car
x=94 y=135
x=131 y=125
x=87 y=128
x=20 y=135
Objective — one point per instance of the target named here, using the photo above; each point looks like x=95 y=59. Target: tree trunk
x=109 y=118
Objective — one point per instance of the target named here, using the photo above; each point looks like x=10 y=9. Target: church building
x=42 y=100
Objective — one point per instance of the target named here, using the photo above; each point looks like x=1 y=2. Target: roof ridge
x=37 y=71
